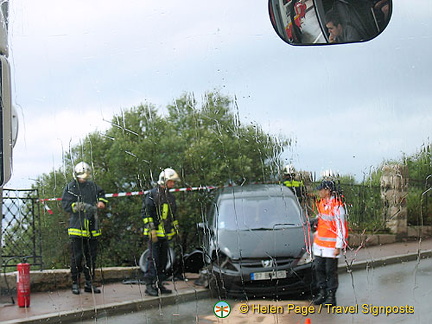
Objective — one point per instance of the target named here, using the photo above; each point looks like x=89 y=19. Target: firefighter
x=291 y=181
x=329 y=241
x=160 y=226
x=81 y=199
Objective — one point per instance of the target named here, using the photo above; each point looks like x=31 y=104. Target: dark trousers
x=157 y=262
x=83 y=257
x=326 y=273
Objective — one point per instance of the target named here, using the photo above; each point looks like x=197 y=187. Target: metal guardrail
x=21 y=228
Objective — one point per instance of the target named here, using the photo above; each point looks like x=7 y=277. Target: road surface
x=398 y=293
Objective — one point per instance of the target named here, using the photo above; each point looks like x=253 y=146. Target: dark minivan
x=257 y=242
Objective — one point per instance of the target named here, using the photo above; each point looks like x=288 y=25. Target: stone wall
x=394 y=188
x=51 y=280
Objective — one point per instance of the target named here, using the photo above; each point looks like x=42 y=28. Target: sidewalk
x=62 y=305
x=386 y=254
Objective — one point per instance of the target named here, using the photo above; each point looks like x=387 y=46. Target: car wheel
x=143 y=260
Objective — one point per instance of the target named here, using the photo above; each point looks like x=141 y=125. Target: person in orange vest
x=329 y=241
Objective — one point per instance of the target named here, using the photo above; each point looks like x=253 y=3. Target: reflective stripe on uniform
x=165 y=209
x=327 y=239
x=83 y=233
x=327 y=233
x=171 y=235
x=160 y=232
x=147 y=220
x=329 y=218
x=103 y=200
x=293 y=183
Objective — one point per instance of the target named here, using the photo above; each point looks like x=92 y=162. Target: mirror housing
x=7 y=132
x=205 y=228
x=321 y=22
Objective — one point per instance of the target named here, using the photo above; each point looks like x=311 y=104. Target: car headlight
x=305 y=259
x=224 y=262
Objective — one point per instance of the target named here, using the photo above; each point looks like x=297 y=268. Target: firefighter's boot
x=331 y=298
x=75 y=288
x=320 y=298
x=90 y=288
x=164 y=290
x=151 y=290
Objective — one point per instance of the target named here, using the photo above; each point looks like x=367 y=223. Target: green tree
x=205 y=142
x=53 y=227
x=419 y=200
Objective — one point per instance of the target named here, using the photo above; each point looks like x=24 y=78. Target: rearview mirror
x=318 y=22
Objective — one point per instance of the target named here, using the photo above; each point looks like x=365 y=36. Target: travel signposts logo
x=222 y=309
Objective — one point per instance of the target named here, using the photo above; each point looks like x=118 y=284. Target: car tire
x=144 y=256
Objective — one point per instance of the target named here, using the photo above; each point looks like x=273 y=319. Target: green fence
x=419 y=202
x=365 y=208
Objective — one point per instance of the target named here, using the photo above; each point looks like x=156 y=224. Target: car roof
x=256 y=190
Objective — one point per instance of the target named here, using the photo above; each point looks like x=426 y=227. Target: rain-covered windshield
x=168 y=102
x=267 y=213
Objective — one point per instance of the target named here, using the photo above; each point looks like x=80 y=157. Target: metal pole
x=1 y=223
x=1 y=231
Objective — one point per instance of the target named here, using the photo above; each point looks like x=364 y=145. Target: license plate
x=268 y=275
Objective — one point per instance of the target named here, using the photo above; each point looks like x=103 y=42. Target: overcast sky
x=348 y=108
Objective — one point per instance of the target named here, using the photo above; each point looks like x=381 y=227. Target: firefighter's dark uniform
x=297 y=188
x=159 y=213
x=83 y=226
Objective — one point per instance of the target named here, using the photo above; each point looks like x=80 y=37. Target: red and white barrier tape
x=138 y=193
x=128 y=194
x=49 y=210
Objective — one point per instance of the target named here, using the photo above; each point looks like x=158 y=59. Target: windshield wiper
x=284 y=224
x=275 y=227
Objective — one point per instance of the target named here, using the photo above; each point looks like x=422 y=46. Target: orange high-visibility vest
x=327 y=232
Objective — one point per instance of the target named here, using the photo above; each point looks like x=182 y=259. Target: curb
x=366 y=265
x=102 y=311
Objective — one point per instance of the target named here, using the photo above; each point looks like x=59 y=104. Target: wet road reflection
x=398 y=293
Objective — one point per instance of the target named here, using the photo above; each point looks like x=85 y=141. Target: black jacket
x=79 y=200
x=159 y=212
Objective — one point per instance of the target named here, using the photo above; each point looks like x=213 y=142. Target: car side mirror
x=319 y=22
x=204 y=228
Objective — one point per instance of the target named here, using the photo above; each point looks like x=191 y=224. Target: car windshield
x=261 y=213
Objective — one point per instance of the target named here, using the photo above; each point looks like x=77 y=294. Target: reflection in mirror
x=111 y=94
x=317 y=22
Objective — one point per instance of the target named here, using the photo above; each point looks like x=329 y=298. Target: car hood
x=286 y=242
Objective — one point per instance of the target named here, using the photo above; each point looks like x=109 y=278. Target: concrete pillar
x=394 y=188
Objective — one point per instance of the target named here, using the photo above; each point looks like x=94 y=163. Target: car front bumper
x=298 y=281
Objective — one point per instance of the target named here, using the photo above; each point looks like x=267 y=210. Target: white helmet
x=82 y=171
x=289 y=169
x=329 y=174
x=166 y=175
